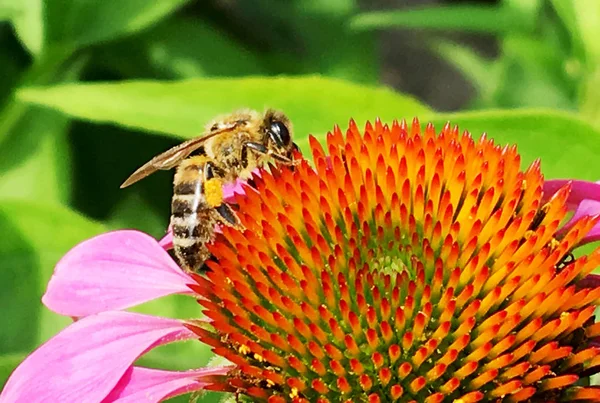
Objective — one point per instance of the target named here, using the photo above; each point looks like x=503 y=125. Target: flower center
x=405 y=266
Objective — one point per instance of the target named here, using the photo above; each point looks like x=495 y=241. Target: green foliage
x=179 y=108
x=35 y=236
x=549 y=50
x=91 y=89
x=471 y=18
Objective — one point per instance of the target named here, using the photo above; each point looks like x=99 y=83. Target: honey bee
x=230 y=148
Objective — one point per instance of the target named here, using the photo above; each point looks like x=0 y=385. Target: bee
x=230 y=148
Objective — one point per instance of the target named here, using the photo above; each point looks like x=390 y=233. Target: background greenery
x=91 y=89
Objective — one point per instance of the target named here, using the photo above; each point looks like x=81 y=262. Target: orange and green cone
x=407 y=265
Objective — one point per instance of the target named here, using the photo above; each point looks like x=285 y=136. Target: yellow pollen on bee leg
x=213 y=192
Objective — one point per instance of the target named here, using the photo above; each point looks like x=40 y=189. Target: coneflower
x=403 y=265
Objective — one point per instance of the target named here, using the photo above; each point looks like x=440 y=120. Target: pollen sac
x=403 y=265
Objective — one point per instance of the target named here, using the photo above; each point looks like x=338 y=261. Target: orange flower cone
x=407 y=265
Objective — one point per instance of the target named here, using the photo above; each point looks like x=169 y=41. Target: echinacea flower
x=404 y=266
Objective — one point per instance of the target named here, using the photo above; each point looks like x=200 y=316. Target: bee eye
x=280 y=134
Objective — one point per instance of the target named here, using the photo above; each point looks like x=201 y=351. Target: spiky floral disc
x=408 y=266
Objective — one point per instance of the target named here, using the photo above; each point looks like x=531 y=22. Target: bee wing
x=172 y=157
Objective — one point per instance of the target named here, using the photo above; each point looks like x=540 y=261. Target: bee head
x=278 y=130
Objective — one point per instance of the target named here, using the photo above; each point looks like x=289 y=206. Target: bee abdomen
x=191 y=223
x=191 y=252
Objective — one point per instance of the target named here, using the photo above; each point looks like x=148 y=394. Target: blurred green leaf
x=104 y=157
x=537 y=55
x=134 y=212
x=14 y=61
x=34 y=152
x=28 y=21
x=336 y=51
x=35 y=158
x=582 y=19
x=335 y=7
x=469 y=18
x=533 y=75
x=76 y=23
x=484 y=74
x=526 y=8
x=588 y=22
x=185 y=48
x=181 y=108
x=34 y=237
x=567 y=145
x=179 y=356
x=9 y=10
x=589 y=105
x=315 y=40
x=8 y=362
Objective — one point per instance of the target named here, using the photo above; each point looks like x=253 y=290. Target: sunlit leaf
x=470 y=18
x=28 y=21
x=568 y=146
x=182 y=108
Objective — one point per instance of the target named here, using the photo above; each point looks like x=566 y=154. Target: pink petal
x=580 y=190
x=587 y=208
x=584 y=200
x=113 y=271
x=153 y=385
x=589 y=281
x=86 y=360
x=230 y=190
x=167 y=241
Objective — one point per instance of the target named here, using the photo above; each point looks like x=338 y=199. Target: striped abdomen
x=192 y=218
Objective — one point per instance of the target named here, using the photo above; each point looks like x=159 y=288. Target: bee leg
x=261 y=149
x=224 y=213
x=204 y=267
x=212 y=171
x=227 y=216
x=284 y=159
x=257 y=147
